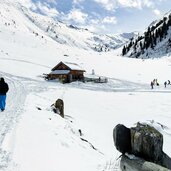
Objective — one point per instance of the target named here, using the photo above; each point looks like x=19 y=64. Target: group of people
x=167 y=83
x=155 y=83
x=3 y=90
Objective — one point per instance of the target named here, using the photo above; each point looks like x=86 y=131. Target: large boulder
x=122 y=138
x=138 y=164
x=143 y=141
x=147 y=142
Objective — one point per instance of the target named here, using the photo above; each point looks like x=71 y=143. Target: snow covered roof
x=60 y=72
x=71 y=66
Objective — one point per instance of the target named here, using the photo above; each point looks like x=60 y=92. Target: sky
x=103 y=16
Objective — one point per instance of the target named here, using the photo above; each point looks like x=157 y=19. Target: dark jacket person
x=3 y=90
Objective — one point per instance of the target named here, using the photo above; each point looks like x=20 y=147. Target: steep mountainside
x=154 y=42
x=15 y=16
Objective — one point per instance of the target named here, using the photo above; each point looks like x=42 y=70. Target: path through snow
x=19 y=88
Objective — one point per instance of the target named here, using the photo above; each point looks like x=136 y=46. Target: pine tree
x=123 y=51
x=141 y=46
x=164 y=29
x=169 y=21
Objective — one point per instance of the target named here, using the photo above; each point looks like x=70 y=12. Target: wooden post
x=138 y=164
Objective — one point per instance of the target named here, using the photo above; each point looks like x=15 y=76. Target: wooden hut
x=67 y=72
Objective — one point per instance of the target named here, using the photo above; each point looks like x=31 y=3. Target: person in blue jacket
x=3 y=90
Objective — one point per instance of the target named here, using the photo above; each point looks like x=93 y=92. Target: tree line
x=151 y=37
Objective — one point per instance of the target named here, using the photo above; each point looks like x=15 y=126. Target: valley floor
x=33 y=139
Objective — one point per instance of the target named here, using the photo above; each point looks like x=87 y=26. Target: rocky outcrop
x=122 y=143
x=137 y=164
x=147 y=142
x=143 y=141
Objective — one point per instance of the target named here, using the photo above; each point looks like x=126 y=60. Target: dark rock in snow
x=38 y=108
x=58 y=107
x=143 y=141
x=122 y=138
x=147 y=142
x=80 y=132
x=138 y=164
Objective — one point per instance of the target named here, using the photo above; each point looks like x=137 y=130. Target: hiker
x=3 y=90
x=165 y=83
x=152 y=84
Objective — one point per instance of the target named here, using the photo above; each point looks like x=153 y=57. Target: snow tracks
x=8 y=119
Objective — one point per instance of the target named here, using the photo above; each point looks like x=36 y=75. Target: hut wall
x=77 y=75
x=56 y=76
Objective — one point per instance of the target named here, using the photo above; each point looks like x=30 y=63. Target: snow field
x=39 y=140
x=54 y=140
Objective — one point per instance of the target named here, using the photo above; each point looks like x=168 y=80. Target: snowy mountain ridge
x=155 y=41
x=57 y=30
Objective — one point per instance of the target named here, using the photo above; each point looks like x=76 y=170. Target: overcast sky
x=104 y=16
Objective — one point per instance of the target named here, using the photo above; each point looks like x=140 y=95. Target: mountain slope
x=17 y=17
x=154 y=42
x=74 y=36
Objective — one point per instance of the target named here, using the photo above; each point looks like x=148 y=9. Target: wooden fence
x=96 y=80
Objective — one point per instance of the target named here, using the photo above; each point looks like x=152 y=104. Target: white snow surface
x=33 y=138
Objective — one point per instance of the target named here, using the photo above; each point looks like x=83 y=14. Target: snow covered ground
x=39 y=140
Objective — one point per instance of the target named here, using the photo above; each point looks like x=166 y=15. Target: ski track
x=15 y=102
x=19 y=88
x=24 y=61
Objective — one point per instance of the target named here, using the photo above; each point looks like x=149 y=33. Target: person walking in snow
x=165 y=83
x=168 y=82
x=3 y=90
x=152 y=84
